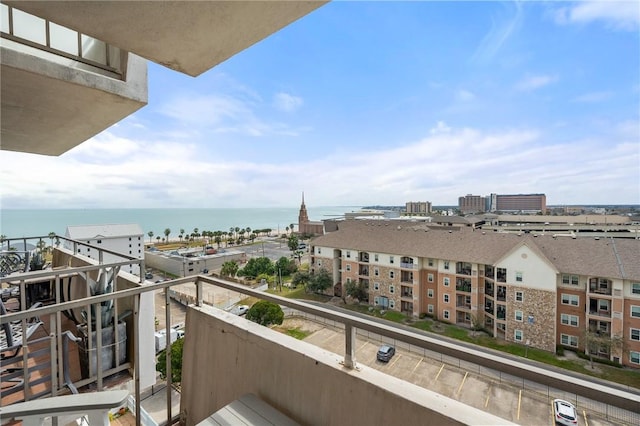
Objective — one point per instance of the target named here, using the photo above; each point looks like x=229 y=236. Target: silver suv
x=385 y=353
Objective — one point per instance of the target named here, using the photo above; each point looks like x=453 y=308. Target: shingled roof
x=606 y=257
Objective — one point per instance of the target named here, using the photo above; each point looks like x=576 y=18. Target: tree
x=150 y=234
x=286 y=266
x=167 y=231
x=229 y=269
x=257 y=266
x=176 y=362
x=300 y=278
x=291 y=227
x=356 y=290
x=181 y=234
x=598 y=342
x=218 y=238
x=293 y=242
x=319 y=282
x=265 y=313
x=52 y=235
x=158 y=239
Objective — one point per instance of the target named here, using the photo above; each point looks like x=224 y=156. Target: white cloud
x=535 y=82
x=501 y=30
x=465 y=95
x=619 y=15
x=593 y=97
x=447 y=163
x=286 y=102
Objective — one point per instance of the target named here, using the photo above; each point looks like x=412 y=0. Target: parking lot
x=496 y=396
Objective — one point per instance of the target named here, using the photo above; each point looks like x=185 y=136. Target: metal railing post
x=167 y=309
x=349 y=346
x=136 y=350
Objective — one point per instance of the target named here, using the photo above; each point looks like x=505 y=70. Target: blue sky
x=363 y=103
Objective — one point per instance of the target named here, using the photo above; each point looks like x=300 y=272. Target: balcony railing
x=407 y=265
x=51 y=315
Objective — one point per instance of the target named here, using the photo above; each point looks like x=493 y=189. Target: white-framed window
x=570 y=299
x=376 y=301
x=634 y=357
x=392 y=289
x=518 y=316
x=446 y=264
x=390 y=259
x=603 y=305
x=348 y=280
x=518 y=276
x=392 y=274
x=429 y=309
x=375 y=257
x=519 y=296
x=376 y=272
x=430 y=293
x=570 y=279
x=430 y=262
x=319 y=262
x=567 y=319
x=348 y=267
x=392 y=304
x=635 y=288
x=348 y=254
x=445 y=298
x=430 y=278
x=517 y=335
x=635 y=311
x=568 y=340
x=445 y=314
x=635 y=334
x=376 y=286
x=319 y=250
x=445 y=281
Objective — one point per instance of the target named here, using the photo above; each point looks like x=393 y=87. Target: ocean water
x=29 y=223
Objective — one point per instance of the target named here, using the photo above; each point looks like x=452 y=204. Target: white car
x=241 y=310
x=564 y=413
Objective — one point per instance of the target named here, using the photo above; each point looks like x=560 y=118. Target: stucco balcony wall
x=226 y=356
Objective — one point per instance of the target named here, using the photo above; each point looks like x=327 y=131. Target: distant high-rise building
x=418 y=207
x=472 y=204
x=520 y=203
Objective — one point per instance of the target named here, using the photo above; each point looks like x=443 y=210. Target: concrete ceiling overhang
x=187 y=36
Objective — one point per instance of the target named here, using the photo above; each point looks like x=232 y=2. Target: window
x=348 y=254
x=430 y=293
x=570 y=279
x=574 y=280
x=392 y=289
x=445 y=298
x=391 y=274
x=319 y=250
x=319 y=262
x=376 y=286
x=376 y=300
x=445 y=281
x=392 y=304
x=519 y=296
x=348 y=267
x=390 y=259
x=519 y=316
x=375 y=257
x=635 y=334
x=129 y=238
x=446 y=264
x=568 y=340
x=430 y=278
x=634 y=357
x=430 y=262
x=603 y=305
x=635 y=288
x=519 y=277
x=376 y=272
x=349 y=280
x=445 y=314
x=517 y=335
x=570 y=299
x=571 y=320
x=99 y=241
x=430 y=309
x=635 y=311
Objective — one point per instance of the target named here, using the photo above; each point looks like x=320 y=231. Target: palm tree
x=150 y=234
x=237 y=229
x=167 y=231
x=287 y=228
x=181 y=233
x=158 y=239
x=52 y=235
x=196 y=233
x=248 y=230
x=291 y=227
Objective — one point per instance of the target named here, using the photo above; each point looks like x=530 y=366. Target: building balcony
x=406 y=265
x=363 y=271
x=601 y=286
x=463 y=268
x=224 y=351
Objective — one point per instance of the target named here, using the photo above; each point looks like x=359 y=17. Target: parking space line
x=586 y=422
x=329 y=338
x=462 y=383
x=397 y=357
x=553 y=415
x=439 y=371
x=414 y=368
x=362 y=347
x=486 y=401
x=519 y=401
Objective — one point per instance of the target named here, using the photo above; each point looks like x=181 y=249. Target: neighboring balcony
x=501 y=294
x=488 y=288
x=363 y=270
x=406 y=292
x=408 y=263
x=363 y=257
x=600 y=286
x=463 y=268
x=406 y=277
x=463 y=284
x=600 y=307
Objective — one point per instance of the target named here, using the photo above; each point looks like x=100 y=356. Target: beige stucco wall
x=226 y=356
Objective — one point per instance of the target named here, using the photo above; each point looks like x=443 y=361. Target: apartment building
x=531 y=289
x=472 y=204
x=117 y=238
x=418 y=207
x=532 y=203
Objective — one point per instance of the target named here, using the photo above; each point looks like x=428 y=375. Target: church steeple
x=302 y=216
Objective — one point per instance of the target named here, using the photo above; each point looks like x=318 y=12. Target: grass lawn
x=297 y=333
x=299 y=293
